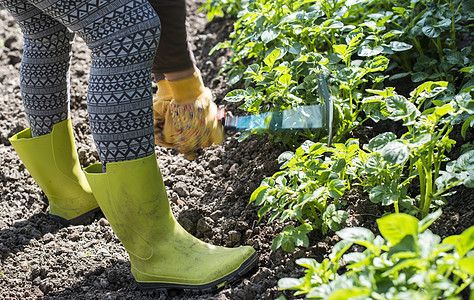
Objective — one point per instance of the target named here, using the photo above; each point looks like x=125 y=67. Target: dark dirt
x=209 y=196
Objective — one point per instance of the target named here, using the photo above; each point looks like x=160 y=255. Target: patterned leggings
x=123 y=36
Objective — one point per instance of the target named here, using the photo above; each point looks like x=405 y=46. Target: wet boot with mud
x=163 y=255
x=52 y=161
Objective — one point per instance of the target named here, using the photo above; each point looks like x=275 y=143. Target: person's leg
x=47 y=148
x=44 y=70
x=123 y=36
x=173 y=57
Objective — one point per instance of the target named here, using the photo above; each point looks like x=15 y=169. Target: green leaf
x=431 y=32
x=455 y=58
x=443 y=110
x=465 y=101
x=427 y=242
x=258 y=195
x=399 y=46
x=295 y=48
x=465 y=242
x=395 y=227
x=467 y=265
x=252 y=69
x=307 y=146
x=400 y=108
x=272 y=57
x=353 y=40
x=444 y=23
x=426 y=89
x=277 y=242
x=399 y=10
x=354 y=37
x=290 y=283
x=336 y=188
x=346 y=294
x=309 y=263
x=383 y=194
x=280 y=179
x=419 y=77
x=354 y=2
x=332 y=24
x=379 y=63
x=339 y=165
x=269 y=35
x=339 y=249
x=300 y=237
x=287 y=245
x=405 y=248
x=445 y=179
x=396 y=152
x=370 y=51
x=356 y=234
x=262 y=211
x=340 y=49
x=415 y=263
x=428 y=220
x=236 y=95
x=235 y=77
x=381 y=140
x=467 y=70
x=337 y=218
x=466 y=125
x=285 y=157
x=399 y=75
x=418 y=140
x=384 y=93
x=469 y=180
x=285 y=79
x=464 y=162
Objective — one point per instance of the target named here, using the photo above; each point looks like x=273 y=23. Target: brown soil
x=209 y=196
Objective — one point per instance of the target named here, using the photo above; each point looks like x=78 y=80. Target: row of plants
x=407 y=62
x=280 y=46
x=407 y=261
x=313 y=178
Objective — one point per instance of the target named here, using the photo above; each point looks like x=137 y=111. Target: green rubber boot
x=163 y=255
x=52 y=161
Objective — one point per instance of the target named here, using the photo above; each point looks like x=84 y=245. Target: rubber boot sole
x=204 y=288
x=84 y=219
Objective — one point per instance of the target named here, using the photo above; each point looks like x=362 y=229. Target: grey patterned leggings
x=123 y=36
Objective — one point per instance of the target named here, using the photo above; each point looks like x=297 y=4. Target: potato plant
x=406 y=262
x=421 y=151
x=308 y=189
x=313 y=179
x=279 y=46
x=364 y=48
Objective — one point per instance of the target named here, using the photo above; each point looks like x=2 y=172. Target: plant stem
x=421 y=175
x=329 y=42
x=429 y=183
x=453 y=18
x=350 y=104
x=313 y=211
x=418 y=46
x=439 y=47
x=439 y=193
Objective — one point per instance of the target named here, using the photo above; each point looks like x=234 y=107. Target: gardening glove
x=188 y=121
x=161 y=104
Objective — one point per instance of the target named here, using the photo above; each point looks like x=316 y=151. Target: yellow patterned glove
x=186 y=119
